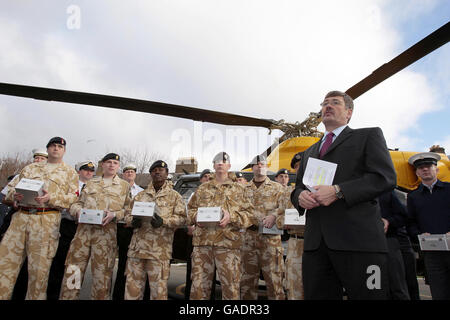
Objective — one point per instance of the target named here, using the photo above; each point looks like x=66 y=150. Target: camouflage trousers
x=35 y=237
x=137 y=271
x=293 y=279
x=262 y=252
x=99 y=244
x=227 y=262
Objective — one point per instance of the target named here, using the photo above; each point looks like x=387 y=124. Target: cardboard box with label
x=293 y=219
x=209 y=216
x=143 y=209
x=30 y=189
x=434 y=242
x=91 y=216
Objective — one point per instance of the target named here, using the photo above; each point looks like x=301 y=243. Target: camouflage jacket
x=229 y=196
x=61 y=182
x=156 y=243
x=288 y=205
x=99 y=195
x=268 y=199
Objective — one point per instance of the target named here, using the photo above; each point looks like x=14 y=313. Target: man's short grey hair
x=347 y=99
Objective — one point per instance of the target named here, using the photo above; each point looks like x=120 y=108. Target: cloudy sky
x=271 y=59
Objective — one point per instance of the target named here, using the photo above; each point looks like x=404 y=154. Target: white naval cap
x=424 y=158
x=130 y=166
x=40 y=152
x=85 y=165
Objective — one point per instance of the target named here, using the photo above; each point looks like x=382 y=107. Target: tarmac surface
x=177 y=279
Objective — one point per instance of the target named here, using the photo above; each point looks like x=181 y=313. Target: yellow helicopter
x=297 y=137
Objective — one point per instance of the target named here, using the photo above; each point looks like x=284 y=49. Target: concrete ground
x=177 y=283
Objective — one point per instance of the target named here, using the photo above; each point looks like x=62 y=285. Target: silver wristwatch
x=338 y=191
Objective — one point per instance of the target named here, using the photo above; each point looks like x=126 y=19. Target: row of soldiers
x=234 y=247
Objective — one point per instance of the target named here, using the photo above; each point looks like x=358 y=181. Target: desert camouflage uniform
x=150 y=249
x=293 y=277
x=215 y=245
x=95 y=241
x=263 y=251
x=35 y=236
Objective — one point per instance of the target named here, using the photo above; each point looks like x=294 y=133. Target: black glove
x=136 y=222
x=157 y=221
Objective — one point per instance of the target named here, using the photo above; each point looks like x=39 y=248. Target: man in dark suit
x=345 y=245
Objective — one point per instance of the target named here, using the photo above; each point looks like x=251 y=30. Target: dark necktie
x=326 y=144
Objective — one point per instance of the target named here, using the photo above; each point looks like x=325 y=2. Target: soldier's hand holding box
x=30 y=189
x=209 y=216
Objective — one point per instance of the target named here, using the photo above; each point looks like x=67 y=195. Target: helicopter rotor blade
x=146 y=106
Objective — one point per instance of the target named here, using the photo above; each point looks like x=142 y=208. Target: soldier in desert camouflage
x=34 y=229
x=263 y=251
x=96 y=242
x=293 y=276
x=240 y=178
x=150 y=248
x=124 y=234
x=220 y=245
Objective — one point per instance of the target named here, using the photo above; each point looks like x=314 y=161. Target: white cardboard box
x=91 y=216
x=143 y=209
x=293 y=218
x=273 y=230
x=434 y=242
x=209 y=216
x=30 y=189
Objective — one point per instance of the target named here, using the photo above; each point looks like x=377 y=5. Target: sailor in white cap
x=86 y=170
x=428 y=211
x=129 y=174
x=40 y=155
x=424 y=158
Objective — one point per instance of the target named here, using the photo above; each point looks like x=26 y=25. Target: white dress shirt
x=336 y=132
x=135 y=189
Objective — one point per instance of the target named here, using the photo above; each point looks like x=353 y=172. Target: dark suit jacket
x=364 y=171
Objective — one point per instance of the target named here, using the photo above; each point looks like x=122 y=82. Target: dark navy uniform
x=395 y=213
x=429 y=211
